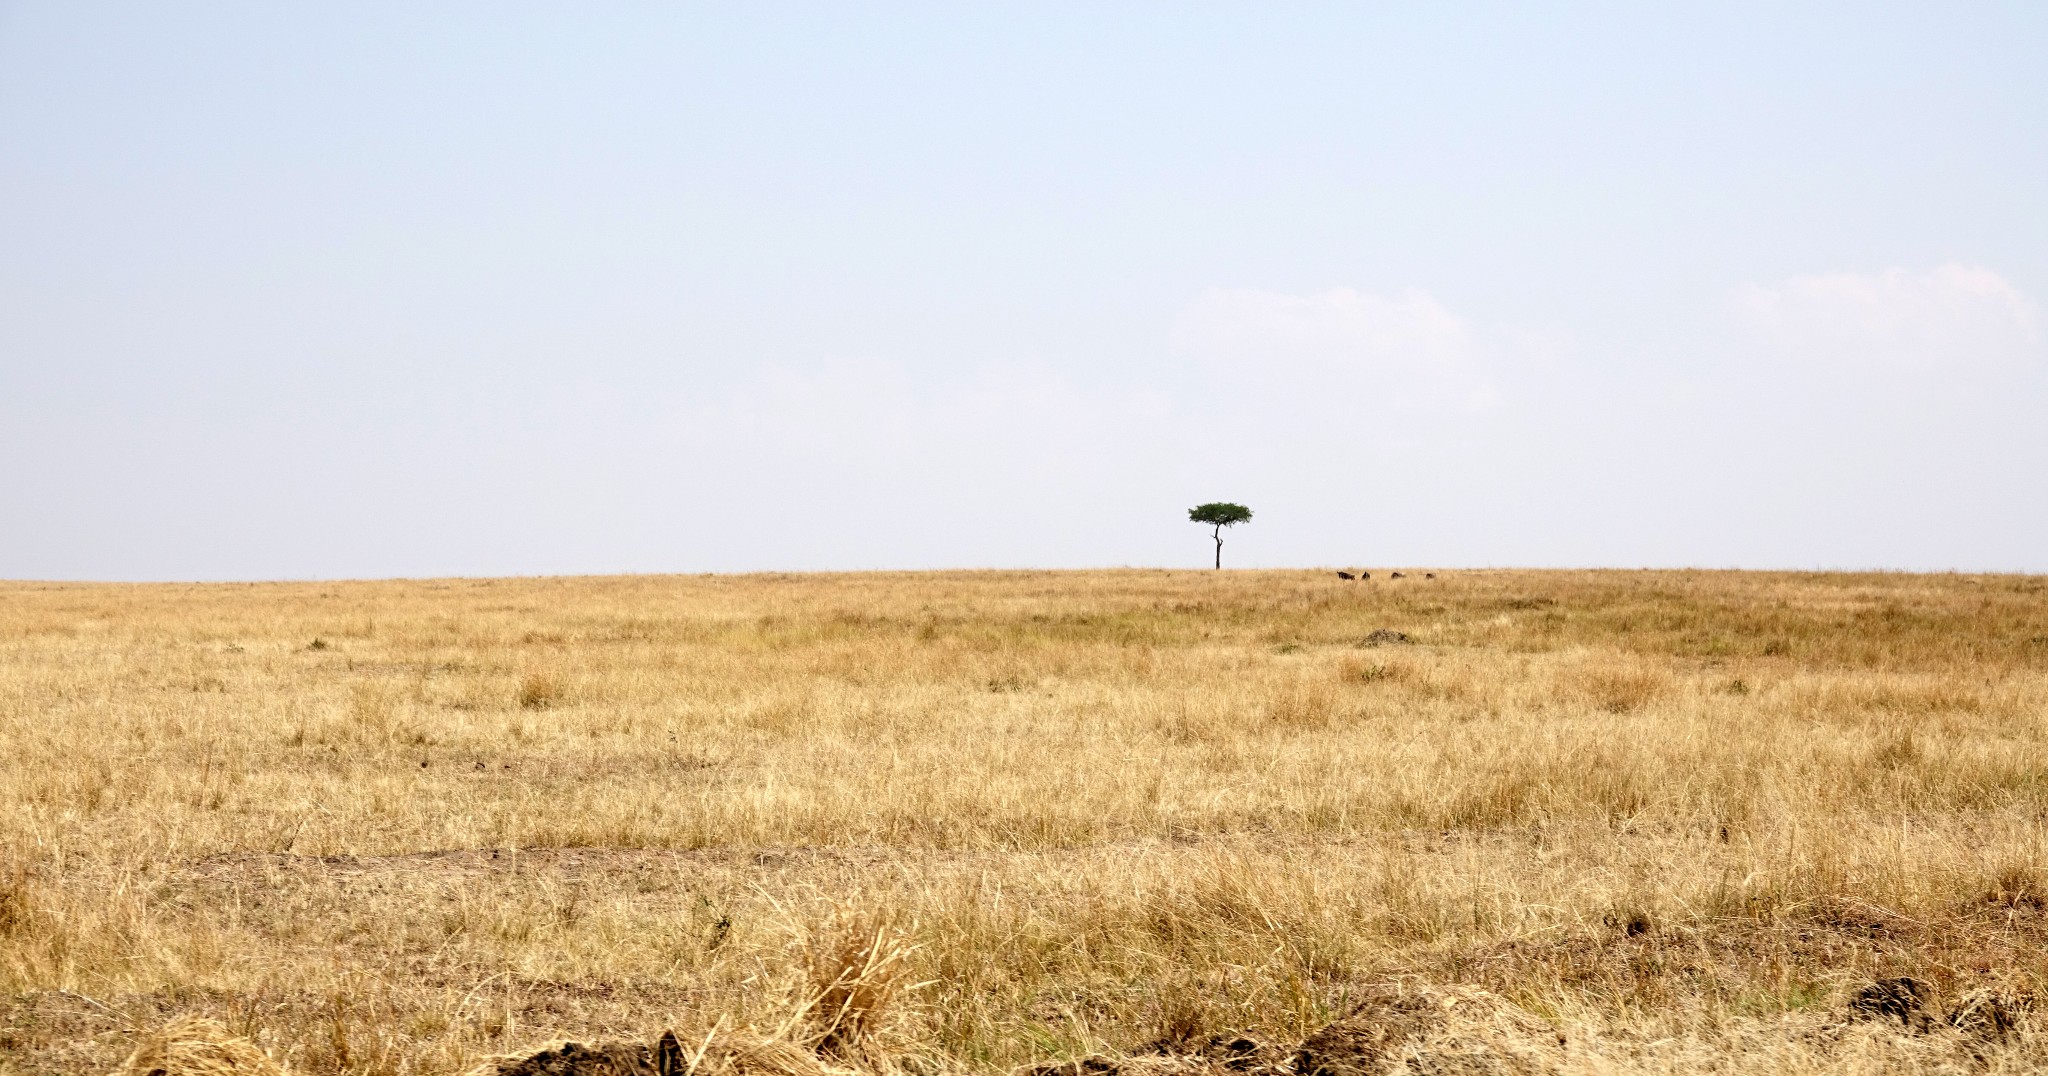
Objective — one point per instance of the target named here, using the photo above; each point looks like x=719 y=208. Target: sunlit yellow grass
x=392 y=826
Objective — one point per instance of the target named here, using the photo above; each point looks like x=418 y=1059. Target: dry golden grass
x=979 y=820
x=197 y=1046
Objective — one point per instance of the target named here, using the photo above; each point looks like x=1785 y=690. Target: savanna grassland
x=392 y=827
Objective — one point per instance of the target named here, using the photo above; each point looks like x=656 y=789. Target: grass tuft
x=538 y=691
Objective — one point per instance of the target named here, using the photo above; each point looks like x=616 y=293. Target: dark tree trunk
x=1219 y=547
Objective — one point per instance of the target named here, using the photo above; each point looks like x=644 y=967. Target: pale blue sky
x=396 y=289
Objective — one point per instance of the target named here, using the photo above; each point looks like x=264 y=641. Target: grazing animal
x=1396 y=575
x=1365 y=575
x=1429 y=575
x=1346 y=575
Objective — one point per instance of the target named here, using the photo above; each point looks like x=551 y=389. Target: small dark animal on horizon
x=1365 y=575
x=1396 y=575
x=1346 y=575
x=1429 y=575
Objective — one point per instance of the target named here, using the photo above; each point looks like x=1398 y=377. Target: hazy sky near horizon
x=383 y=289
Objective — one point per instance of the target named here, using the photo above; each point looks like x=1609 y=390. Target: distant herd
x=1390 y=575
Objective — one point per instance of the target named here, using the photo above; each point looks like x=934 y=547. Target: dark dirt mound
x=665 y=1058
x=1902 y=998
x=1228 y=1053
x=1239 y=1053
x=1217 y=1055
x=1446 y=1031
x=1984 y=1014
x=1420 y=1030
x=1365 y=1044
x=1979 y=1013
x=1087 y=1066
x=735 y=1054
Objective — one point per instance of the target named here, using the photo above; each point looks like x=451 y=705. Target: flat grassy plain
x=396 y=827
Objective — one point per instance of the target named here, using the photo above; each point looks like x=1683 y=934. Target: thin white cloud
x=1405 y=349
x=1953 y=317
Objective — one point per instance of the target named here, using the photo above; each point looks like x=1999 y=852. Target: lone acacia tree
x=1219 y=514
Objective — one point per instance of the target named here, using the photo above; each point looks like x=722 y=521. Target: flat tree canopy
x=1219 y=514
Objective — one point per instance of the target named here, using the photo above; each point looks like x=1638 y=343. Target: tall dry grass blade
x=857 y=976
